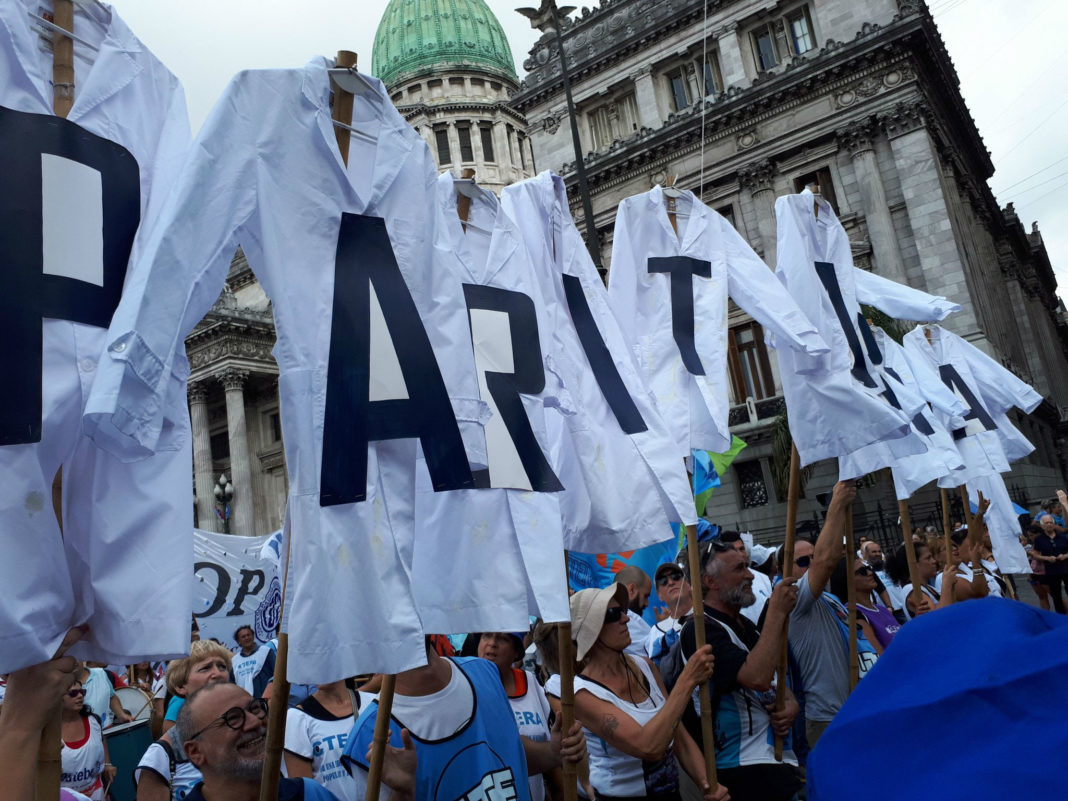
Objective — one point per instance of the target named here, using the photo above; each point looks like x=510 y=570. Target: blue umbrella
x=1015 y=507
x=990 y=674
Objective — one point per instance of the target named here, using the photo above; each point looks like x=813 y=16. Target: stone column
x=759 y=179
x=645 y=97
x=919 y=167
x=203 y=475
x=233 y=382
x=454 y=149
x=857 y=139
x=730 y=56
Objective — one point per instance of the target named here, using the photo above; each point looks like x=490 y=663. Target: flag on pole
x=708 y=467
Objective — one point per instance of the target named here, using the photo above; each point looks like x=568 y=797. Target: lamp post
x=543 y=18
x=224 y=493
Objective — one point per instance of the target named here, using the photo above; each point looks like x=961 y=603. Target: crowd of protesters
x=634 y=684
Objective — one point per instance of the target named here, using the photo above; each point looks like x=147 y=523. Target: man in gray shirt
x=815 y=634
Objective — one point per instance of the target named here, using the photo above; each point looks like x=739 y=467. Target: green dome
x=420 y=36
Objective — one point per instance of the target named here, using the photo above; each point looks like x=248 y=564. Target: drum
x=127 y=743
x=136 y=702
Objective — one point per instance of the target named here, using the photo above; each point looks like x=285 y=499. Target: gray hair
x=183 y=726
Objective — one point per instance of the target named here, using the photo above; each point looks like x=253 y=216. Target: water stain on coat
x=34 y=503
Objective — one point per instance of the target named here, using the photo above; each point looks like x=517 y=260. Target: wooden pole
x=566 y=647
x=565 y=651
x=276 y=718
x=851 y=582
x=342 y=109
x=945 y=522
x=49 y=756
x=708 y=735
x=787 y=566
x=910 y=552
x=967 y=510
x=463 y=202
x=381 y=735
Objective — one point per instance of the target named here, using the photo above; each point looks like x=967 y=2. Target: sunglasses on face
x=667 y=578
x=613 y=614
x=863 y=571
x=76 y=693
x=803 y=561
x=235 y=716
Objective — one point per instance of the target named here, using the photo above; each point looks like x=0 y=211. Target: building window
x=677 y=85
x=822 y=178
x=789 y=35
x=727 y=213
x=748 y=363
x=486 y=133
x=614 y=120
x=711 y=77
x=220 y=446
x=767 y=55
x=751 y=484
x=274 y=422
x=467 y=154
x=441 y=137
x=799 y=27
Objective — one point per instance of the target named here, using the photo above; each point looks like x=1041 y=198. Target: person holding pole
x=815 y=633
x=742 y=685
x=631 y=720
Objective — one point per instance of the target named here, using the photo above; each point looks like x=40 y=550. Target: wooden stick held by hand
x=787 y=567
x=693 y=555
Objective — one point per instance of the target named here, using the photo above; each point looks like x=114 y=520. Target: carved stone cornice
x=905 y=117
x=858 y=137
x=231 y=378
x=758 y=176
x=641 y=72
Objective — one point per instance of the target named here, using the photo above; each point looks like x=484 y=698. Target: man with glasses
x=224 y=730
x=815 y=636
x=639 y=588
x=674 y=590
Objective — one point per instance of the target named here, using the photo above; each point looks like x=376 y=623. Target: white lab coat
x=941 y=456
x=123 y=562
x=831 y=411
x=695 y=405
x=996 y=390
x=520 y=528
x=266 y=173
x=621 y=489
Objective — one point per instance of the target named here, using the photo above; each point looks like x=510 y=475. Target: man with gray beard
x=224 y=730
x=742 y=686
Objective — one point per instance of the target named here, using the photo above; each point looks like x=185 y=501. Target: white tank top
x=83 y=761
x=615 y=773
x=531 y=710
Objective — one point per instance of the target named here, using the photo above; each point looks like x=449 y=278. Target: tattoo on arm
x=611 y=723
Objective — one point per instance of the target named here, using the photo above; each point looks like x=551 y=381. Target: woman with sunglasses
x=631 y=721
x=876 y=621
x=85 y=765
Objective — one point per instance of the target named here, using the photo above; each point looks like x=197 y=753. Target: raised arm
x=828 y=548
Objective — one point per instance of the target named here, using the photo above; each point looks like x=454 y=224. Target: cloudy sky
x=1008 y=55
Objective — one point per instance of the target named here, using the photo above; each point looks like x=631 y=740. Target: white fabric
x=657 y=633
x=965 y=572
x=121 y=564
x=910 y=472
x=614 y=772
x=900 y=301
x=82 y=766
x=98 y=692
x=522 y=529
x=453 y=707
x=267 y=174
x=605 y=509
x=639 y=630
x=762 y=589
x=532 y=717
x=695 y=406
x=185 y=775
x=905 y=591
x=893 y=592
x=1002 y=523
x=831 y=412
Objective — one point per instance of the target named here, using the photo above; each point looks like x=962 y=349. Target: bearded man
x=742 y=686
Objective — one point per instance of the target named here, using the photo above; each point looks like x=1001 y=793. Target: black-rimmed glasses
x=235 y=716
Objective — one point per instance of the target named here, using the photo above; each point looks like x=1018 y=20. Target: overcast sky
x=1009 y=56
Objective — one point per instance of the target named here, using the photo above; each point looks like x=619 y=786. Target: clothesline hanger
x=467 y=190
x=347 y=83
x=673 y=195
x=51 y=27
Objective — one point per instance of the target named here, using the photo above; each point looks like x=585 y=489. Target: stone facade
x=758 y=100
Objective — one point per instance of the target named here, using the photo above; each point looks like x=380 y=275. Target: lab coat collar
x=503 y=236
x=700 y=216
x=395 y=137
x=114 y=67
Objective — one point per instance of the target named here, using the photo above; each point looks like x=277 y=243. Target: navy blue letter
x=825 y=271
x=681 y=270
x=976 y=411
x=352 y=421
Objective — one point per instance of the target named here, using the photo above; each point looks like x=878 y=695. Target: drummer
x=164 y=772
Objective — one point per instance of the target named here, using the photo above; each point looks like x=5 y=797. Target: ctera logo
x=269 y=613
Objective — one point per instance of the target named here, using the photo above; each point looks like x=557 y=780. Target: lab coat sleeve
x=177 y=277
x=756 y=290
x=900 y=301
x=1000 y=388
x=623 y=278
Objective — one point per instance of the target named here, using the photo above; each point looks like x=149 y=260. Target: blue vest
x=483 y=760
